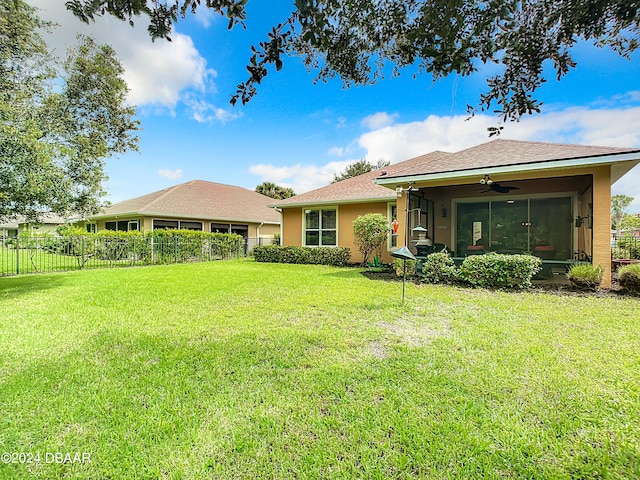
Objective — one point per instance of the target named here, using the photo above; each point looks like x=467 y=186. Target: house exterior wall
x=346 y=216
x=292 y=230
x=293 y=225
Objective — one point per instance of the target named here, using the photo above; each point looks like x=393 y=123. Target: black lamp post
x=405 y=254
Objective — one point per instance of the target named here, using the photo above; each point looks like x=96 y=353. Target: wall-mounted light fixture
x=486 y=180
x=443 y=211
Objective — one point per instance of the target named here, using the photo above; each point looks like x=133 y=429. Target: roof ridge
x=166 y=192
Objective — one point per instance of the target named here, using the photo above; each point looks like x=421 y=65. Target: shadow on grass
x=13 y=287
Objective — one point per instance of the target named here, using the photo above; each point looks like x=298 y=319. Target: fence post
x=17 y=256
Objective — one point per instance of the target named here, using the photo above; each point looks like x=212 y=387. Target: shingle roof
x=362 y=187
x=202 y=200
x=500 y=153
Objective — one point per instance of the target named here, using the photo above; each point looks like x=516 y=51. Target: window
x=242 y=230
x=91 y=227
x=320 y=228
x=122 y=225
x=220 y=227
x=197 y=226
x=176 y=225
x=165 y=224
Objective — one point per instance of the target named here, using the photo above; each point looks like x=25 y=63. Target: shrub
x=439 y=268
x=370 y=233
x=499 y=271
x=629 y=278
x=584 y=276
x=399 y=266
x=336 y=256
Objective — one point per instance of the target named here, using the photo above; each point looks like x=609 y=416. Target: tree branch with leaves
x=360 y=42
x=58 y=122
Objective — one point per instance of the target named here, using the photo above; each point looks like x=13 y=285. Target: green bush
x=399 y=266
x=499 y=271
x=439 y=268
x=115 y=246
x=584 y=276
x=336 y=256
x=629 y=278
x=370 y=233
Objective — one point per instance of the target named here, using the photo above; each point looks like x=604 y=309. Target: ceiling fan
x=496 y=187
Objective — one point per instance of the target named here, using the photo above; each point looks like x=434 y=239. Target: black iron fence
x=625 y=247
x=40 y=254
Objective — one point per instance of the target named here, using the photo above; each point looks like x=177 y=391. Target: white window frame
x=319 y=229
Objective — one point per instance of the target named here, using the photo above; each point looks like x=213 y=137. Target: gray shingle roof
x=362 y=187
x=496 y=153
x=500 y=153
x=199 y=199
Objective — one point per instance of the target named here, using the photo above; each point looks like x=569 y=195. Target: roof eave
x=335 y=202
x=521 y=167
x=181 y=216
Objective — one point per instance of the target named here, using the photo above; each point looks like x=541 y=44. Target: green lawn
x=243 y=370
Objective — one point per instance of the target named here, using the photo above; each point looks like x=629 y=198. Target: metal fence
x=625 y=247
x=22 y=255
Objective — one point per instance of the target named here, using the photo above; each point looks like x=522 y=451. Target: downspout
x=279 y=210
x=258 y=233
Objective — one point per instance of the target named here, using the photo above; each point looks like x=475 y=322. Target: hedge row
x=158 y=246
x=336 y=256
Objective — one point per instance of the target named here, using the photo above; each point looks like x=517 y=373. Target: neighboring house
x=195 y=205
x=48 y=223
x=9 y=229
x=504 y=196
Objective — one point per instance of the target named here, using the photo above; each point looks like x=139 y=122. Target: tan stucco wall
x=292 y=221
x=292 y=227
x=346 y=215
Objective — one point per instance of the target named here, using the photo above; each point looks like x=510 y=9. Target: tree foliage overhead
x=58 y=120
x=358 y=168
x=274 y=191
x=359 y=41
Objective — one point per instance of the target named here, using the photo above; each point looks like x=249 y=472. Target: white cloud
x=171 y=174
x=619 y=127
x=379 y=120
x=302 y=178
x=605 y=127
x=204 y=112
x=157 y=73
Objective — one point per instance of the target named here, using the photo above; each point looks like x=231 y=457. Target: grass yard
x=243 y=370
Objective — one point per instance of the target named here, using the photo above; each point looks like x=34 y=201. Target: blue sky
x=298 y=134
